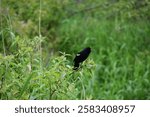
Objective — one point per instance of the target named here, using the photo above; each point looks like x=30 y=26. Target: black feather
x=81 y=56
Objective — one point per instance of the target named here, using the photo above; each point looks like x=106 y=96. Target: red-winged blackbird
x=81 y=56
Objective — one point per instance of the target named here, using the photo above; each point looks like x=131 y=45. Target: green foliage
x=31 y=36
x=23 y=76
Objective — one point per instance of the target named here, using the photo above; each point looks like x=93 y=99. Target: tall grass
x=120 y=52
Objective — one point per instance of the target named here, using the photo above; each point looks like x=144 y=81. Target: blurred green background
x=40 y=38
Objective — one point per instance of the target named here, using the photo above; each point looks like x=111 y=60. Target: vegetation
x=38 y=42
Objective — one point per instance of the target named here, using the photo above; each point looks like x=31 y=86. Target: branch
x=89 y=9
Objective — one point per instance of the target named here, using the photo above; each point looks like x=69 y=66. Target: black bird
x=81 y=56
